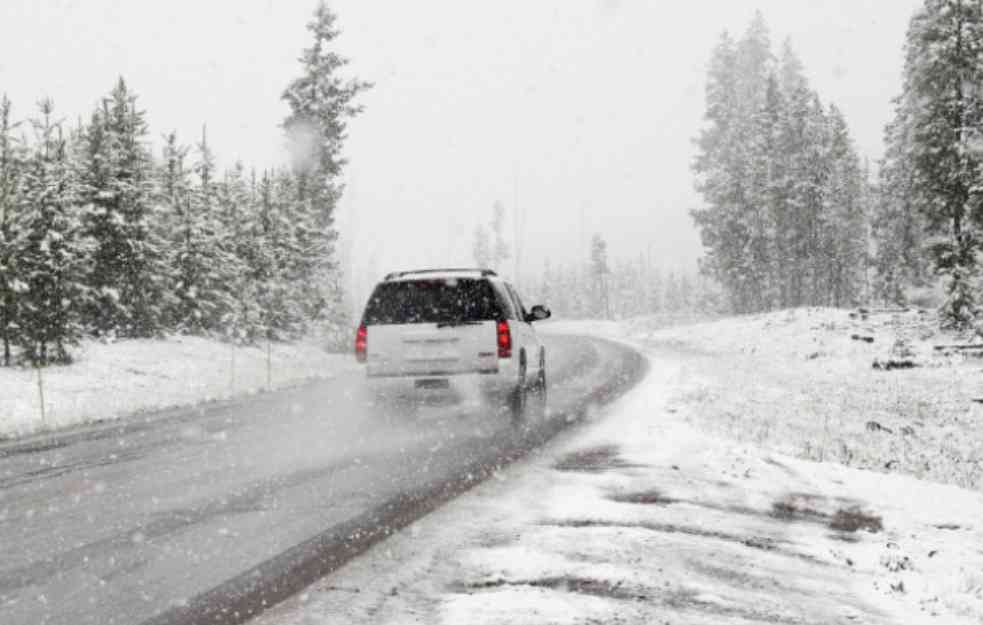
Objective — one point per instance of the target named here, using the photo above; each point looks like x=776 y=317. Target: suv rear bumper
x=505 y=368
x=430 y=374
x=491 y=380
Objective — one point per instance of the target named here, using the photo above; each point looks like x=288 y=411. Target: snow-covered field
x=816 y=383
x=665 y=509
x=110 y=380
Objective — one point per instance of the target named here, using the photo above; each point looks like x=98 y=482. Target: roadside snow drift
x=110 y=380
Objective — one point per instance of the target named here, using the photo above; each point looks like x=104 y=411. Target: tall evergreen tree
x=481 y=247
x=11 y=170
x=599 y=269
x=204 y=262
x=321 y=102
x=500 y=249
x=942 y=74
x=846 y=232
x=897 y=224
x=235 y=248
x=54 y=253
x=118 y=184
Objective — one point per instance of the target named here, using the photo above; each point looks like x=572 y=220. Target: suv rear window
x=432 y=301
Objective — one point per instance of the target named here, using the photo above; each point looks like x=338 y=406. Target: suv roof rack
x=400 y=274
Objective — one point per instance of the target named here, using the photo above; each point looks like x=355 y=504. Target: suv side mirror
x=539 y=313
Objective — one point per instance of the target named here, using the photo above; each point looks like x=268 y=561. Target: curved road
x=211 y=514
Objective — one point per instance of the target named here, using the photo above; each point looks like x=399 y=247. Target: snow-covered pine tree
x=672 y=296
x=481 y=247
x=129 y=277
x=289 y=277
x=943 y=74
x=808 y=171
x=53 y=253
x=174 y=193
x=733 y=223
x=204 y=265
x=599 y=271
x=764 y=163
x=321 y=102
x=500 y=249
x=686 y=294
x=11 y=173
x=714 y=167
x=791 y=243
x=262 y=256
x=897 y=224
x=656 y=291
x=235 y=245
x=846 y=220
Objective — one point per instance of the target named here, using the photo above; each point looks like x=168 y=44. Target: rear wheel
x=518 y=397
x=539 y=390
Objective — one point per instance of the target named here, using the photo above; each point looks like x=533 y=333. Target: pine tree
x=235 y=248
x=897 y=224
x=784 y=221
x=942 y=75
x=500 y=249
x=764 y=213
x=263 y=255
x=54 y=253
x=11 y=285
x=207 y=269
x=717 y=167
x=129 y=277
x=846 y=239
x=656 y=301
x=672 y=297
x=321 y=102
x=599 y=269
x=481 y=247
x=175 y=198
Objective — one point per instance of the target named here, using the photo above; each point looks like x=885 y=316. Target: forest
x=793 y=217
x=101 y=237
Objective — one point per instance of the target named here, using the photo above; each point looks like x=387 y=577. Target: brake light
x=504 y=340
x=362 y=343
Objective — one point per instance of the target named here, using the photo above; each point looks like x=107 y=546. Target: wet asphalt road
x=209 y=514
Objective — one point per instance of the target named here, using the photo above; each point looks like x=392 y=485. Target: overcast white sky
x=577 y=107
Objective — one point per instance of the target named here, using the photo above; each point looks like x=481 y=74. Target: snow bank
x=110 y=380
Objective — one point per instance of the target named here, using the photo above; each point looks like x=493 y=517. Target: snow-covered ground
x=820 y=384
x=656 y=512
x=110 y=380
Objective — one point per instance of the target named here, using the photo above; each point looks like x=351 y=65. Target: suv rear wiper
x=454 y=324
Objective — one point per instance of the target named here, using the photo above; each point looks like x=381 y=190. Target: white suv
x=432 y=326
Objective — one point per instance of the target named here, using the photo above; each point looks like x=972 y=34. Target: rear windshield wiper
x=454 y=324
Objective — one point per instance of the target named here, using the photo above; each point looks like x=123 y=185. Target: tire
x=518 y=398
x=539 y=391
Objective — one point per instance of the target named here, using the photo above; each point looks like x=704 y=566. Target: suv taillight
x=362 y=343
x=504 y=340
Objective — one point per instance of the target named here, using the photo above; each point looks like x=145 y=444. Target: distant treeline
x=99 y=237
x=625 y=289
